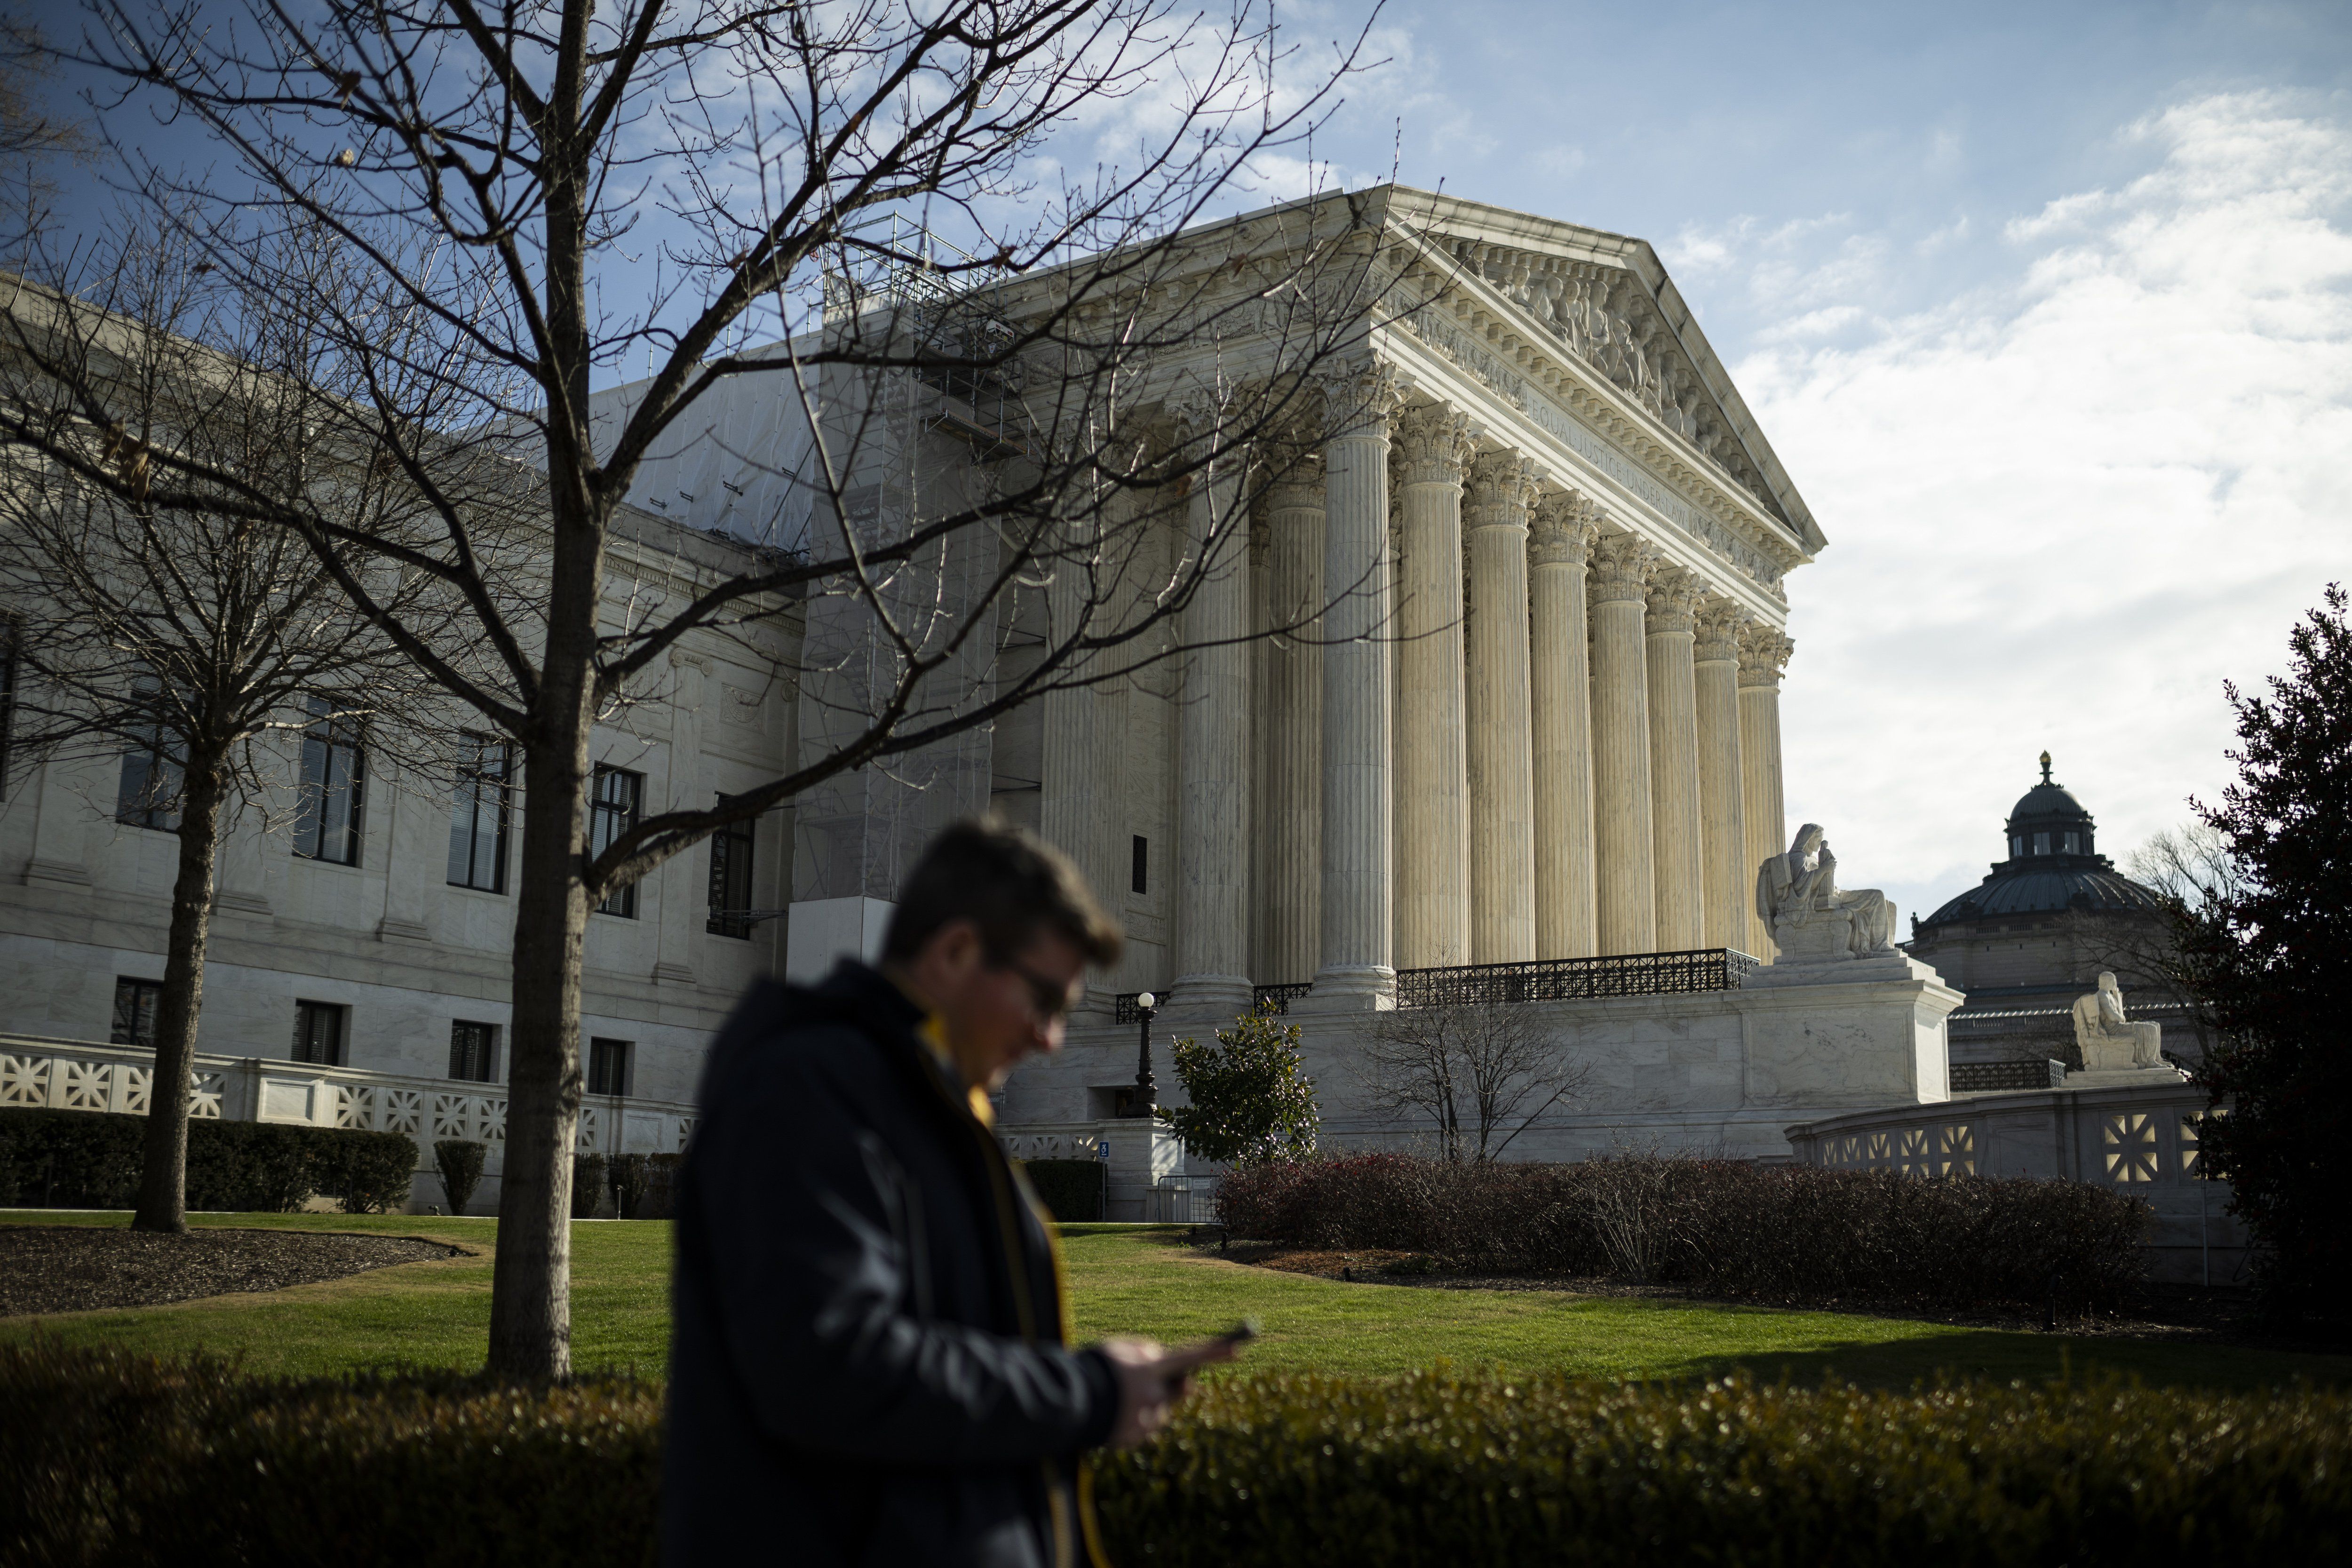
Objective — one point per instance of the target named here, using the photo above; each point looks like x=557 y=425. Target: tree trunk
x=531 y=1297
x=530 y=1289
x=162 y=1178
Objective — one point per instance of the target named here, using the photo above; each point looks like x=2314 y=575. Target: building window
x=8 y=635
x=153 y=766
x=731 y=878
x=477 y=826
x=473 y=1051
x=2041 y=844
x=2074 y=844
x=608 y=1067
x=1138 y=878
x=613 y=804
x=334 y=775
x=2016 y=844
x=319 y=1033
x=135 y=1003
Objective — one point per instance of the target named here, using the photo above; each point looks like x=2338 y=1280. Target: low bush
x=587 y=1185
x=628 y=1175
x=660 y=1199
x=461 y=1162
x=90 y=1159
x=1784 y=1233
x=106 y=1457
x=1071 y=1190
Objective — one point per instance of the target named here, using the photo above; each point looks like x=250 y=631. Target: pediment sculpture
x=2108 y=1038
x=1812 y=918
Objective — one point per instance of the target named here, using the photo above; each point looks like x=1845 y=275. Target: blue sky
x=2047 y=309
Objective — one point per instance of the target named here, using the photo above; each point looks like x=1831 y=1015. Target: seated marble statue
x=1810 y=915
x=2108 y=1039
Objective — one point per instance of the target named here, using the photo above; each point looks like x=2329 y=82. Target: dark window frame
x=608 y=818
x=9 y=633
x=146 y=997
x=611 y=1066
x=473 y=1051
x=734 y=859
x=331 y=805
x=482 y=784
x=158 y=761
x=328 y=1048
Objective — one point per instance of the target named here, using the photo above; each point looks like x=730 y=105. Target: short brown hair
x=1008 y=882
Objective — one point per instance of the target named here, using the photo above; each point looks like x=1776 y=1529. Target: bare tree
x=2190 y=868
x=1480 y=1075
x=32 y=139
x=202 y=650
x=1024 y=384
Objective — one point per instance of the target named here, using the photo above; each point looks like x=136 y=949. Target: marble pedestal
x=1717 y=1072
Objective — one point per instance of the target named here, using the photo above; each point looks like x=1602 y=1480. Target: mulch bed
x=2181 y=1313
x=82 y=1268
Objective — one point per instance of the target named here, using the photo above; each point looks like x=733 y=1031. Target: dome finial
x=2045 y=767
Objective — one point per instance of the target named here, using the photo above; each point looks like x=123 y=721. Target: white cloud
x=2065 y=507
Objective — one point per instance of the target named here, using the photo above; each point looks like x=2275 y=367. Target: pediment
x=1607 y=300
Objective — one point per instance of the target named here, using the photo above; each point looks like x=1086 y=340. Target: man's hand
x=1152 y=1379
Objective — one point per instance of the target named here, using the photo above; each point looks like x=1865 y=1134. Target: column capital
x=1620 y=568
x=1433 y=444
x=1299 y=487
x=1720 y=622
x=1564 y=527
x=1673 y=596
x=1502 y=484
x=1763 y=654
x=1360 y=397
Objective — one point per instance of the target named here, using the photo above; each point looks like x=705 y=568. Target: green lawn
x=1126 y=1279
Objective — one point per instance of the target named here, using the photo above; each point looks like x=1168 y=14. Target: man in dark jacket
x=868 y=1360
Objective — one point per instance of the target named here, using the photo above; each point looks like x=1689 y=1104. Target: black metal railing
x=1123 y=1010
x=1575 y=979
x=1277 y=999
x=1548 y=980
x=2025 y=1072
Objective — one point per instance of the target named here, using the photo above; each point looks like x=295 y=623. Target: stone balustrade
x=80 y=1075
x=2139 y=1140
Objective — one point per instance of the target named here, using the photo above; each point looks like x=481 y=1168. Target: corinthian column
x=1291 y=868
x=1626 y=885
x=1357 y=969
x=1560 y=693
x=1212 y=772
x=1432 y=789
x=1674 y=761
x=1501 y=748
x=1763 y=654
x=1076 y=795
x=1722 y=808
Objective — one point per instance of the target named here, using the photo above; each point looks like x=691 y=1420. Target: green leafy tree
x=2271 y=957
x=1251 y=1103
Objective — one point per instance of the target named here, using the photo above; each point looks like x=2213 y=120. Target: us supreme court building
x=1532 y=755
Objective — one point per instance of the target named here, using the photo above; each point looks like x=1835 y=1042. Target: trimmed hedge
x=1782 y=1233
x=1071 y=1190
x=461 y=1162
x=106 y=1458
x=587 y=1185
x=90 y=1159
x=645 y=1187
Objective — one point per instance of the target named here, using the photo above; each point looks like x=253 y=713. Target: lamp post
x=1145 y=1089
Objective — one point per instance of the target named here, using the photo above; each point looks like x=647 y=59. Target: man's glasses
x=1051 y=1000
